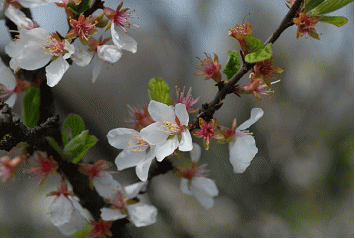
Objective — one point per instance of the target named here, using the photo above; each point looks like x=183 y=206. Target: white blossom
x=139 y=214
x=194 y=183
x=242 y=149
x=35 y=48
x=169 y=131
x=136 y=152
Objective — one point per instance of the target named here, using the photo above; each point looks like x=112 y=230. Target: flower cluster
x=34 y=47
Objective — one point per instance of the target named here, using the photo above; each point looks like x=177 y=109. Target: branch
x=207 y=110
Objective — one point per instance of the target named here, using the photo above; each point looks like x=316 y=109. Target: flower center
x=54 y=46
x=119 y=201
x=139 y=144
x=171 y=128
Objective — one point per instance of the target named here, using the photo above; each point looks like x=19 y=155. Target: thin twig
x=207 y=110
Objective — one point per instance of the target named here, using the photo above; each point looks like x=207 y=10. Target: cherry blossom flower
x=195 y=183
x=10 y=85
x=257 y=87
x=140 y=118
x=123 y=205
x=210 y=68
x=36 y=48
x=45 y=166
x=105 y=53
x=8 y=167
x=102 y=180
x=119 y=24
x=169 y=131
x=207 y=131
x=266 y=71
x=136 y=151
x=242 y=148
x=65 y=212
x=239 y=32
x=100 y=229
x=188 y=101
x=306 y=23
x=82 y=28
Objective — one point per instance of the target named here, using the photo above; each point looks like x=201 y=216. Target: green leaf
x=330 y=6
x=55 y=145
x=311 y=4
x=337 y=21
x=75 y=125
x=260 y=55
x=31 y=103
x=76 y=148
x=253 y=43
x=81 y=8
x=158 y=90
x=232 y=66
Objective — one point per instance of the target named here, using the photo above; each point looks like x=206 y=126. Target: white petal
x=255 y=114
x=105 y=185
x=161 y=112
x=133 y=190
x=181 y=113
x=109 y=214
x=166 y=149
x=70 y=48
x=55 y=71
x=98 y=64
x=81 y=57
x=186 y=141
x=205 y=184
x=122 y=40
x=153 y=134
x=142 y=169
x=119 y=138
x=33 y=57
x=184 y=186
x=14 y=48
x=129 y=158
x=11 y=100
x=60 y=210
x=203 y=190
x=142 y=214
x=109 y=53
x=18 y=17
x=76 y=223
x=38 y=35
x=195 y=153
x=7 y=77
x=242 y=150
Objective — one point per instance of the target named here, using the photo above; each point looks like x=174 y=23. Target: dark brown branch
x=207 y=110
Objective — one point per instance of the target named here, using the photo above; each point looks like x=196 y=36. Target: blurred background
x=300 y=183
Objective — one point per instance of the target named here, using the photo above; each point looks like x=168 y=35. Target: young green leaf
x=311 y=4
x=81 y=8
x=337 y=21
x=55 y=145
x=232 y=66
x=253 y=43
x=261 y=55
x=158 y=90
x=76 y=148
x=72 y=126
x=330 y=6
x=31 y=103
